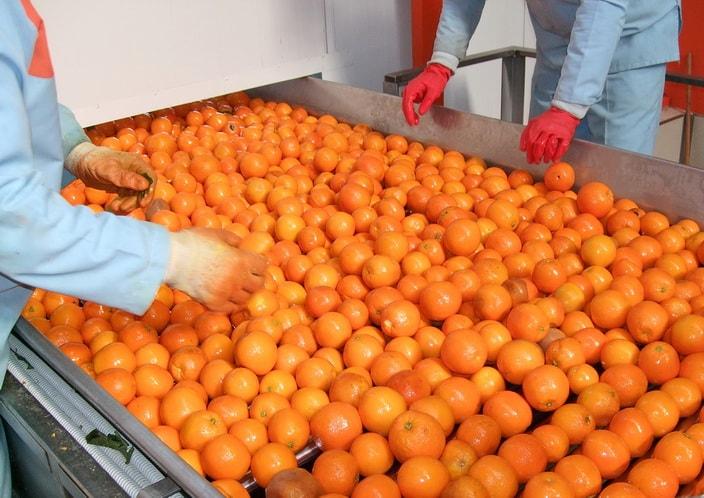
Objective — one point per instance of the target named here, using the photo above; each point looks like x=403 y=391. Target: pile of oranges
x=436 y=326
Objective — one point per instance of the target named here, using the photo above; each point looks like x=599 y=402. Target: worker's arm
x=47 y=243
x=72 y=133
x=458 y=21
x=597 y=30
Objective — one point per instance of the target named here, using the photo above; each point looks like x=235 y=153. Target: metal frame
x=513 y=76
x=176 y=469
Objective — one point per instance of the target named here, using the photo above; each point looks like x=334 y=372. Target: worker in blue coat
x=47 y=243
x=599 y=72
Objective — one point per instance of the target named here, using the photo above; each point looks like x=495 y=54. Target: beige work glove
x=124 y=173
x=206 y=264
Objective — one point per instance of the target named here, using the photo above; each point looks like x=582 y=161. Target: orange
x=686 y=394
x=376 y=486
x=517 y=358
x=225 y=457
x=631 y=425
x=581 y=474
x=525 y=454
x=659 y=361
x=554 y=440
x=654 y=478
x=230 y=408
x=422 y=477
x=251 y=432
x=186 y=363
x=415 y=434
x=336 y=471
x=315 y=372
x=348 y=387
x=256 y=351
x=527 y=321
x=290 y=427
x=168 y=435
x=212 y=375
x=458 y=456
x=372 y=453
x=546 y=388
x=192 y=458
x=465 y=487
x=78 y=353
x=439 y=300
x=69 y=314
x=119 y=383
x=269 y=460
x=682 y=453
x=153 y=380
x=629 y=382
x=279 y=382
x=608 y=451
x=200 y=427
x=464 y=351
x=439 y=409
x=336 y=425
x=378 y=408
x=230 y=488
x=411 y=385
x=575 y=420
x=242 y=383
x=265 y=405
x=481 y=432
x=496 y=475
x=621 y=490
x=547 y=484
x=461 y=394
x=152 y=354
x=601 y=401
x=114 y=355
x=178 y=404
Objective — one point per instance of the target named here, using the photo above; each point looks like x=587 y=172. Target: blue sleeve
x=72 y=133
x=458 y=21
x=596 y=33
x=45 y=242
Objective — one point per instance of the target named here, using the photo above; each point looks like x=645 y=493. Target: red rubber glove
x=424 y=88
x=547 y=137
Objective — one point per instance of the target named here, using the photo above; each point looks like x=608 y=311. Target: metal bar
x=513 y=83
x=162 y=456
x=160 y=489
x=685 y=79
x=673 y=189
x=405 y=75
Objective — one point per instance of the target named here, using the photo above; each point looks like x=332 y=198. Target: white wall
x=477 y=89
x=114 y=59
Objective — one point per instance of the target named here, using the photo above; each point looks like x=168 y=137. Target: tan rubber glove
x=206 y=264
x=121 y=172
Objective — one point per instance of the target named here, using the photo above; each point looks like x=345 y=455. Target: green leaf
x=113 y=441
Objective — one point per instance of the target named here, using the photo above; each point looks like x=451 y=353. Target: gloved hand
x=547 y=137
x=206 y=264
x=122 y=172
x=424 y=88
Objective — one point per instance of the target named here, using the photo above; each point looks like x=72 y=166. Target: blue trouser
x=628 y=114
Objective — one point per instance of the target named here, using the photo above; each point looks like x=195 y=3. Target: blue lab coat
x=45 y=242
